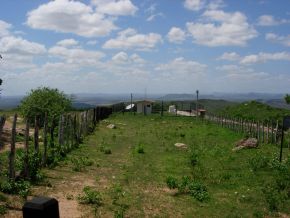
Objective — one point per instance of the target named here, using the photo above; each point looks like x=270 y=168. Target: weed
x=107 y=151
x=69 y=197
x=193 y=159
x=172 y=182
x=182 y=187
x=140 y=149
x=3 y=209
x=258 y=162
x=198 y=191
x=90 y=196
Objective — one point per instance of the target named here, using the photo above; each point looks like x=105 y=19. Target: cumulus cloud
x=264 y=57
x=116 y=8
x=67 y=42
x=269 y=20
x=194 y=5
x=284 y=40
x=181 y=66
x=130 y=39
x=68 y=16
x=176 y=35
x=76 y=56
x=229 y=56
x=123 y=58
x=4 y=28
x=226 y=29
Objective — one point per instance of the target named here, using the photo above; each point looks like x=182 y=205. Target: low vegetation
x=145 y=175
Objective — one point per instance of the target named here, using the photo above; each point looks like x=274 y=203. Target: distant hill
x=277 y=103
x=254 y=110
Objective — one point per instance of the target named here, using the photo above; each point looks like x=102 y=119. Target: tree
x=43 y=102
x=287 y=98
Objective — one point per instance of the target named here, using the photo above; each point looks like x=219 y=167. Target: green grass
x=134 y=184
x=255 y=111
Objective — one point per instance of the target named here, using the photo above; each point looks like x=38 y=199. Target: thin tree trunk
x=26 y=149
x=36 y=134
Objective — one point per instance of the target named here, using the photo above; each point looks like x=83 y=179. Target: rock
x=180 y=145
x=111 y=126
x=246 y=143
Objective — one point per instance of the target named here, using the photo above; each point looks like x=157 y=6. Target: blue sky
x=124 y=46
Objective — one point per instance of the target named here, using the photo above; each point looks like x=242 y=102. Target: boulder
x=111 y=126
x=180 y=145
x=246 y=143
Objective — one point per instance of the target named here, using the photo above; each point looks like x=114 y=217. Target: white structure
x=144 y=107
x=172 y=109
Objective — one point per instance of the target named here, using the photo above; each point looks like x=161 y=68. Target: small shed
x=144 y=107
x=201 y=112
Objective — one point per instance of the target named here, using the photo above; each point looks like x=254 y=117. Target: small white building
x=144 y=107
x=172 y=109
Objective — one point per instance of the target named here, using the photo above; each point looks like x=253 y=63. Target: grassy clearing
x=131 y=179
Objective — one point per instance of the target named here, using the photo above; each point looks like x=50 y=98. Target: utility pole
x=197 y=103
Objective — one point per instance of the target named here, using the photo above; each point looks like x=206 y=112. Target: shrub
x=172 y=182
x=182 y=187
x=198 y=191
x=140 y=149
x=90 y=196
x=3 y=209
x=272 y=197
x=20 y=187
x=107 y=151
x=79 y=164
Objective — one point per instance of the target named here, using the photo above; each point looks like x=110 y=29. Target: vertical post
x=282 y=140
x=267 y=132
x=197 y=103
x=26 y=149
x=2 y=123
x=12 y=151
x=45 y=140
x=36 y=133
x=161 y=108
x=131 y=109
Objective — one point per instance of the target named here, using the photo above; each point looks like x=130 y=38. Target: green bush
x=107 y=151
x=79 y=164
x=198 y=191
x=182 y=187
x=90 y=196
x=140 y=149
x=21 y=187
x=171 y=182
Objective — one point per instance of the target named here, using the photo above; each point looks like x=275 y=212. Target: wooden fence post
x=12 y=150
x=44 y=158
x=36 y=134
x=26 y=149
x=2 y=123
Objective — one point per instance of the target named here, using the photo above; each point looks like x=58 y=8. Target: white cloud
x=227 y=29
x=229 y=56
x=194 y=5
x=116 y=8
x=176 y=35
x=121 y=57
x=181 y=66
x=77 y=56
x=68 y=16
x=284 y=40
x=92 y=42
x=130 y=39
x=153 y=16
x=264 y=57
x=67 y=42
x=4 y=28
x=269 y=20
x=242 y=73
x=18 y=45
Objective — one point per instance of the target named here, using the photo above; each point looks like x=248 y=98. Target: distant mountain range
x=84 y=100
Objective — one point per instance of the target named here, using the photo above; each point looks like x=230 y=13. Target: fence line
x=72 y=129
x=264 y=132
